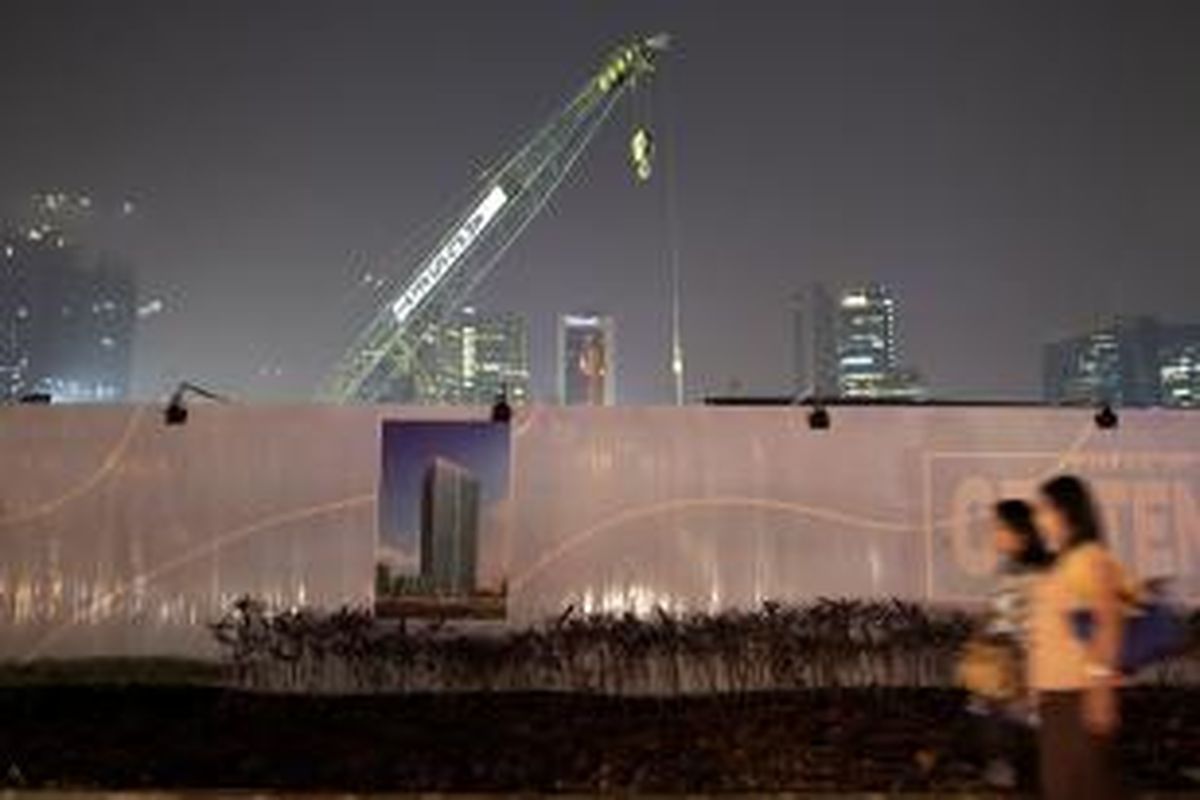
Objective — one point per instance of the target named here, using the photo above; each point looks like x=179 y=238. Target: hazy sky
x=1016 y=170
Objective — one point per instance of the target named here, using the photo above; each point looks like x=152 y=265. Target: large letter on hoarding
x=1154 y=552
x=973 y=499
x=1187 y=526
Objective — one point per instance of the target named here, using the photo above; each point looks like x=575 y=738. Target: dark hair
x=1017 y=516
x=1071 y=497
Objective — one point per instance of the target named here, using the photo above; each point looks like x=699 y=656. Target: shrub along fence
x=825 y=644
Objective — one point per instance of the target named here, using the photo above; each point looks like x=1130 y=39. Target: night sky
x=1015 y=170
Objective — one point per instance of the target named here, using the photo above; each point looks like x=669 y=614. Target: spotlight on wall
x=1106 y=418
x=36 y=399
x=501 y=411
x=818 y=418
x=176 y=412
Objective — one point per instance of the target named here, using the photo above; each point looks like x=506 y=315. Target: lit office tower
x=450 y=501
x=1135 y=361
x=66 y=324
x=1179 y=367
x=15 y=343
x=867 y=349
x=480 y=356
x=1084 y=369
x=586 y=360
x=814 y=343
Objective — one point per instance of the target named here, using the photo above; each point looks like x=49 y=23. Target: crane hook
x=641 y=154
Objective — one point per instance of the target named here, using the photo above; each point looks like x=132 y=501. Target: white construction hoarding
x=122 y=535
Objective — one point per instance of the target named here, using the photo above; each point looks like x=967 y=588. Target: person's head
x=1017 y=538
x=1066 y=514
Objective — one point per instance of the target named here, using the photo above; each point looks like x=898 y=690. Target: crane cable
x=672 y=236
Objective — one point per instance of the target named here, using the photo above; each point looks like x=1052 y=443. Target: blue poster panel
x=444 y=510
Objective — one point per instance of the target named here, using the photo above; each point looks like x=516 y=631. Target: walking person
x=1076 y=680
x=1004 y=717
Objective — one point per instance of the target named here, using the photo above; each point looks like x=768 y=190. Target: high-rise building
x=66 y=325
x=850 y=347
x=15 y=328
x=481 y=356
x=814 y=343
x=1179 y=367
x=1133 y=362
x=450 y=512
x=868 y=348
x=1084 y=369
x=587 y=360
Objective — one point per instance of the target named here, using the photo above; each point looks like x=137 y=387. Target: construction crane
x=390 y=360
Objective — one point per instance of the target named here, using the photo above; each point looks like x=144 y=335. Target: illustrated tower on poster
x=450 y=511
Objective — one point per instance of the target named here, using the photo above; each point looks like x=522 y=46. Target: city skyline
x=845 y=343
x=1129 y=361
x=1016 y=172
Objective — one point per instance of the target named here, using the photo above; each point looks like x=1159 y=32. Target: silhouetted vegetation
x=825 y=644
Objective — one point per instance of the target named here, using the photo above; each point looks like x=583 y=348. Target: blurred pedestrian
x=1004 y=720
x=1076 y=679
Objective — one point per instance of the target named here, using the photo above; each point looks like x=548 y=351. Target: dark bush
x=828 y=643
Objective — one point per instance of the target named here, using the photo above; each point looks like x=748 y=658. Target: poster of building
x=444 y=506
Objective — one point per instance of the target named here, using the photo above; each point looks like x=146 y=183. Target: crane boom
x=388 y=360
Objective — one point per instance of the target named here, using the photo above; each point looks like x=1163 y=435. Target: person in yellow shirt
x=1076 y=680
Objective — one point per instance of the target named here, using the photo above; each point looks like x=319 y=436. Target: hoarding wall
x=120 y=535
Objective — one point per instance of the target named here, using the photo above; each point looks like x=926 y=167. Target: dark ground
x=204 y=737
